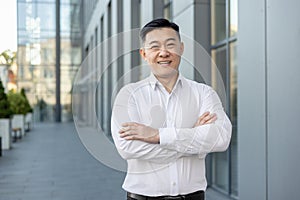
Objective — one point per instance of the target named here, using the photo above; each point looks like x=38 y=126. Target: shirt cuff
x=167 y=136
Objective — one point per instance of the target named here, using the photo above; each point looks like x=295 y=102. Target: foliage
x=17 y=103
x=7 y=57
x=28 y=107
x=5 y=110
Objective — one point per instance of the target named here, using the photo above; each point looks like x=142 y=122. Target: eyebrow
x=167 y=40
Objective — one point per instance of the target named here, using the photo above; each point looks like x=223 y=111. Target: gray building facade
x=253 y=45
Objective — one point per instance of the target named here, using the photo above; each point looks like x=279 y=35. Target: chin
x=166 y=74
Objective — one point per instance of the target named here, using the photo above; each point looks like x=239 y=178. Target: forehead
x=161 y=35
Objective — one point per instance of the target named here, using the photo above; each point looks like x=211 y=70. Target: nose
x=164 y=52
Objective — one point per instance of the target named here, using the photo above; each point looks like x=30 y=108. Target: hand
x=136 y=131
x=206 y=118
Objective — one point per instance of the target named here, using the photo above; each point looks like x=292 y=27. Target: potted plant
x=29 y=110
x=18 y=106
x=5 y=122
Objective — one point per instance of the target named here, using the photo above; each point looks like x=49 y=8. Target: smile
x=164 y=62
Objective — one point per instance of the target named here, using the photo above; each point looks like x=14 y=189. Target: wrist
x=157 y=136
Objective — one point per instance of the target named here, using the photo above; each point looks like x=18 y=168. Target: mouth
x=164 y=63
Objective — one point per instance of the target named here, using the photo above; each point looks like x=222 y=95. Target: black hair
x=156 y=24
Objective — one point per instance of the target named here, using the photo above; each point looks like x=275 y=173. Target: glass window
x=65 y=18
x=218 y=20
x=219 y=57
x=220 y=167
x=168 y=9
x=45 y=18
x=233 y=17
x=22 y=15
x=233 y=117
x=223 y=167
x=37 y=52
x=48 y=51
x=221 y=171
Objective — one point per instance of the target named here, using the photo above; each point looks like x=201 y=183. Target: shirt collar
x=154 y=82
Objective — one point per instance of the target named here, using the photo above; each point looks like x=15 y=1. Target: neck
x=168 y=82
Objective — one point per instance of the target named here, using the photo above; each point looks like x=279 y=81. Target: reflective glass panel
x=218 y=20
x=219 y=72
x=233 y=116
x=45 y=19
x=220 y=167
x=233 y=17
x=221 y=170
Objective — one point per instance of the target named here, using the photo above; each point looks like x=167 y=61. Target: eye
x=154 y=47
x=170 y=45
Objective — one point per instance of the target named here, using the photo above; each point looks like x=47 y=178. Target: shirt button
x=173 y=183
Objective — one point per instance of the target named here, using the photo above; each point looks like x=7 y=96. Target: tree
x=17 y=102
x=7 y=57
x=5 y=111
x=28 y=107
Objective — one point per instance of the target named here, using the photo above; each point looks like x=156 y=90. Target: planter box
x=18 y=121
x=28 y=121
x=5 y=130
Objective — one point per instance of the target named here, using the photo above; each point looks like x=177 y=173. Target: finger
x=204 y=115
x=132 y=137
x=197 y=123
x=199 y=120
x=124 y=129
x=129 y=124
x=207 y=118
x=127 y=134
x=211 y=120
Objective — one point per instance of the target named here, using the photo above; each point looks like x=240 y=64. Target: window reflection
x=218 y=20
x=168 y=9
x=224 y=175
x=219 y=57
x=233 y=18
x=233 y=117
x=37 y=53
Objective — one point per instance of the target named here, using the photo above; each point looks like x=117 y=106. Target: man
x=165 y=125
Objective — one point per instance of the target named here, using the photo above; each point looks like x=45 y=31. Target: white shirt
x=176 y=165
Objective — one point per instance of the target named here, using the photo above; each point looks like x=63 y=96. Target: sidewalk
x=50 y=163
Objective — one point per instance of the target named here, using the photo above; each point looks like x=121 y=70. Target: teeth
x=164 y=62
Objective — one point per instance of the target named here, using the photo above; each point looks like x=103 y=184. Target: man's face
x=162 y=50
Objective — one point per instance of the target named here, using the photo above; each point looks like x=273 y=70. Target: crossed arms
x=135 y=140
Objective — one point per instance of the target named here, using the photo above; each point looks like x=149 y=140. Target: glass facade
x=37 y=54
x=168 y=9
x=223 y=165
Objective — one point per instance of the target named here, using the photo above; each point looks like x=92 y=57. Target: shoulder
x=132 y=88
x=200 y=87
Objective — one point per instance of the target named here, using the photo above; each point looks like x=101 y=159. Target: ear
x=143 y=53
x=181 y=48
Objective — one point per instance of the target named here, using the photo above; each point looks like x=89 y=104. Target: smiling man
x=165 y=125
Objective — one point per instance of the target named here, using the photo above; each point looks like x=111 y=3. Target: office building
x=254 y=46
x=38 y=39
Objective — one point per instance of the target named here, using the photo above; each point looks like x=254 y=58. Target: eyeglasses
x=155 y=47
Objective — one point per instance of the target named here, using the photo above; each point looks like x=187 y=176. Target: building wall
x=268 y=77
x=192 y=16
x=268 y=95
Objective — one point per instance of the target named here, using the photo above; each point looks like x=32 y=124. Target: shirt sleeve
x=202 y=139
x=126 y=110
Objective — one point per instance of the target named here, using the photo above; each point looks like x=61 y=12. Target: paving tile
x=50 y=163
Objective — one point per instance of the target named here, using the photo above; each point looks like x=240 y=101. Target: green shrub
x=5 y=111
x=17 y=103
x=28 y=107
